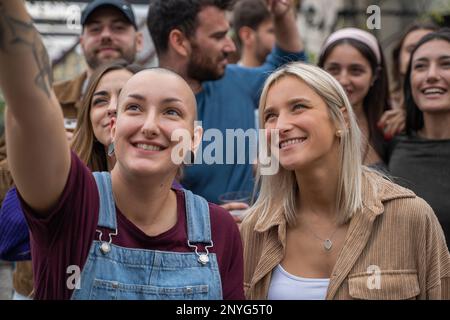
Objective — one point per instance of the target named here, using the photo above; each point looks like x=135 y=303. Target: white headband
x=356 y=34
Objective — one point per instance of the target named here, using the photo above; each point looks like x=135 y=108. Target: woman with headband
x=355 y=59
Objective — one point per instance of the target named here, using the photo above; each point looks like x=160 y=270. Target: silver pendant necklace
x=327 y=243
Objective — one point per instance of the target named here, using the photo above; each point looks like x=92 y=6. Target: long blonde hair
x=279 y=192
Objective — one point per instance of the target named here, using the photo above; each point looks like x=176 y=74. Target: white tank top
x=285 y=286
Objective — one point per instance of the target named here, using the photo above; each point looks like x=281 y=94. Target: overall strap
x=107 y=213
x=198 y=219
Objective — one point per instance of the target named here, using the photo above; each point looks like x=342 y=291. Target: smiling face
x=307 y=133
x=108 y=36
x=104 y=103
x=352 y=70
x=430 y=77
x=152 y=105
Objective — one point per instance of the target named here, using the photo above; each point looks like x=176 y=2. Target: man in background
x=253 y=31
x=191 y=38
x=109 y=32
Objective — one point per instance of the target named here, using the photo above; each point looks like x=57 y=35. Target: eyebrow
x=268 y=110
x=443 y=57
x=164 y=101
x=298 y=99
x=290 y=102
x=169 y=100
x=136 y=96
x=100 y=93
x=219 y=33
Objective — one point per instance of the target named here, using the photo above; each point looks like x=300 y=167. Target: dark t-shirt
x=423 y=165
x=63 y=239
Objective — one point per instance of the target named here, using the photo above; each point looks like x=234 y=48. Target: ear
x=139 y=41
x=179 y=42
x=246 y=34
x=345 y=115
x=112 y=123
x=198 y=134
x=82 y=42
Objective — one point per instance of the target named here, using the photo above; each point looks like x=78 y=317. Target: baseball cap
x=121 y=5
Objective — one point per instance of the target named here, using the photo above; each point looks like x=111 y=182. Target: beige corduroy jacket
x=395 y=231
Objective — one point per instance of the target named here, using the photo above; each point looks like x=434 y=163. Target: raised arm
x=38 y=151
x=286 y=32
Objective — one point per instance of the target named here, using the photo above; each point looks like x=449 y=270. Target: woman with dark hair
x=91 y=139
x=420 y=159
x=354 y=57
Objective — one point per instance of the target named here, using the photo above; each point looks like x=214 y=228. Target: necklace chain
x=327 y=243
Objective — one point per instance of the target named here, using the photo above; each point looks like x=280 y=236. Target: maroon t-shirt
x=65 y=236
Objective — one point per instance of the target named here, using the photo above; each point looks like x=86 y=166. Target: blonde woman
x=324 y=226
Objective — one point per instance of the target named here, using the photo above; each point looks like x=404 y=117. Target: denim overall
x=114 y=272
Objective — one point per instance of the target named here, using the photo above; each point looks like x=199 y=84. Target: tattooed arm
x=37 y=148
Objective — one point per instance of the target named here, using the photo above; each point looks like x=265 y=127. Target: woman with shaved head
x=120 y=235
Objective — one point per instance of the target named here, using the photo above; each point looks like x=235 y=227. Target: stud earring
x=339 y=133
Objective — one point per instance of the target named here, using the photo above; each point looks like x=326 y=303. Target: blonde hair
x=280 y=191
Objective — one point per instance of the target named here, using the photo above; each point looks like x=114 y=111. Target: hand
x=392 y=122
x=279 y=7
x=235 y=206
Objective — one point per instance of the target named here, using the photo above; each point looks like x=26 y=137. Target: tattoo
x=22 y=33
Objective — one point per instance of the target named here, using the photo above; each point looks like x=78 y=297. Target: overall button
x=203 y=259
x=105 y=247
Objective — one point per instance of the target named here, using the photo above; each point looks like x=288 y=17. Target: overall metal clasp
x=203 y=258
x=105 y=247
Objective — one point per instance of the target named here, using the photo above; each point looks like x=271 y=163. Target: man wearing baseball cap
x=109 y=33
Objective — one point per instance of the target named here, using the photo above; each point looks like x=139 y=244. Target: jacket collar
x=376 y=190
